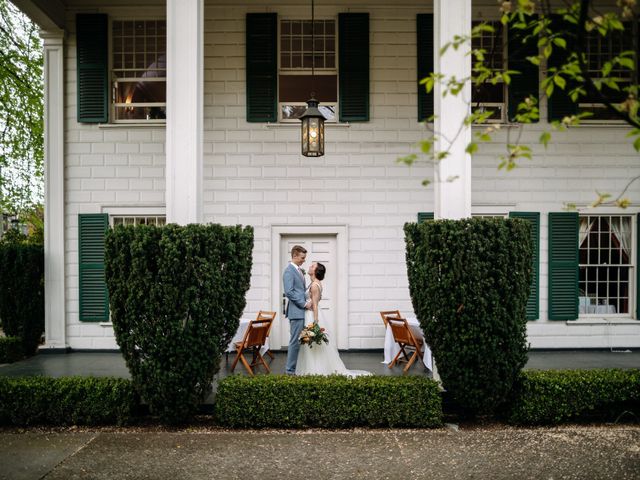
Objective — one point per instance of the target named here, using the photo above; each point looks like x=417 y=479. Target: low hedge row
x=548 y=397
x=541 y=397
x=11 y=349
x=329 y=402
x=66 y=401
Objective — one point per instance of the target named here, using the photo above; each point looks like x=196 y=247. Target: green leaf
x=544 y=138
x=559 y=81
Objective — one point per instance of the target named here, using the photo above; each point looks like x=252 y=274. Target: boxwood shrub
x=549 y=397
x=329 y=402
x=176 y=295
x=11 y=349
x=469 y=285
x=66 y=401
x=22 y=293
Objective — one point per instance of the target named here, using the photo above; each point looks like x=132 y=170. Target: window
x=157 y=220
x=605 y=264
x=487 y=96
x=138 y=71
x=295 y=81
x=600 y=50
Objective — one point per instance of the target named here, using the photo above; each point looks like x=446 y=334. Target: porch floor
x=112 y=364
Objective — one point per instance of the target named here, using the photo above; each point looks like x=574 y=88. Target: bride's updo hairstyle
x=320 y=271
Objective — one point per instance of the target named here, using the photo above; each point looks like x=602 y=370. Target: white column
x=452 y=182
x=54 y=258
x=185 y=66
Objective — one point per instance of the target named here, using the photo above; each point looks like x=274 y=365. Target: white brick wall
x=254 y=174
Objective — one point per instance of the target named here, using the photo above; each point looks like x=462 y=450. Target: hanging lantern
x=312 y=130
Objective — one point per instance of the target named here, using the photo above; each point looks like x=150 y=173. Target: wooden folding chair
x=264 y=315
x=385 y=313
x=254 y=339
x=404 y=337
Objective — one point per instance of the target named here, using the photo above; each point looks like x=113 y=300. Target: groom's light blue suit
x=294 y=289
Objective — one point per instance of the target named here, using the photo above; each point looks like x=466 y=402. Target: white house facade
x=185 y=111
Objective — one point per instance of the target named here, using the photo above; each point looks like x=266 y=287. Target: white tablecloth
x=588 y=305
x=391 y=348
x=597 y=309
x=242 y=328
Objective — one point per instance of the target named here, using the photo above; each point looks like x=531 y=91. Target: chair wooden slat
x=386 y=313
x=265 y=315
x=405 y=338
x=254 y=339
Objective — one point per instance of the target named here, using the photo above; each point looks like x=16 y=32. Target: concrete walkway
x=491 y=453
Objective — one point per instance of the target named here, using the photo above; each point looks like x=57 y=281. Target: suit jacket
x=294 y=290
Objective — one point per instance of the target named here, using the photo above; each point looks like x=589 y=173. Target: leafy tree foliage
x=562 y=30
x=21 y=111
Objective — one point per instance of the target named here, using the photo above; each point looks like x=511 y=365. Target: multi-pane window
x=139 y=70
x=599 y=51
x=157 y=220
x=488 y=96
x=300 y=56
x=605 y=244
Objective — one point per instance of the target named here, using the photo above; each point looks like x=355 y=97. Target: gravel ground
x=475 y=451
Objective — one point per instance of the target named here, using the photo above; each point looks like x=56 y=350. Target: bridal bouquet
x=313 y=333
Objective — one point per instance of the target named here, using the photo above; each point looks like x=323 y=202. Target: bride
x=322 y=359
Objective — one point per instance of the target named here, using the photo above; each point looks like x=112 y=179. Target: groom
x=294 y=289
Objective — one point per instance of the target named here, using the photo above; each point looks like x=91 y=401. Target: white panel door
x=320 y=248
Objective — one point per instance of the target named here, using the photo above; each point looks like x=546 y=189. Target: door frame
x=342 y=282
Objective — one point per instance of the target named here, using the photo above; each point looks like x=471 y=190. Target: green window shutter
x=638 y=267
x=94 y=302
x=424 y=216
x=560 y=104
x=520 y=46
x=563 y=266
x=425 y=64
x=533 y=304
x=92 y=62
x=353 y=68
x=262 y=67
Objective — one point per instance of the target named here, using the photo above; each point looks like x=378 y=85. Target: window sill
x=603 y=320
x=297 y=125
x=132 y=125
x=106 y=324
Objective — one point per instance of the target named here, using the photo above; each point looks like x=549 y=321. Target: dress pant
x=296 y=325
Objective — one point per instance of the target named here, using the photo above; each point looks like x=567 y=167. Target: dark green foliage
x=11 y=349
x=328 y=402
x=22 y=292
x=547 y=397
x=469 y=283
x=66 y=401
x=176 y=295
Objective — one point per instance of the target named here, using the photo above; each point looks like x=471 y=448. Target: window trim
x=112 y=104
x=632 y=265
x=307 y=71
x=587 y=106
x=504 y=114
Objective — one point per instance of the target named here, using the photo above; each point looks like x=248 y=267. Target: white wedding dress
x=322 y=359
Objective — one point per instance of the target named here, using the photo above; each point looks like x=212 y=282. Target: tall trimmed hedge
x=176 y=295
x=469 y=284
x=22 y=293
x=283 y=401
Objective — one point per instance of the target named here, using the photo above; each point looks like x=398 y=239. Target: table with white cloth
x=391 y=348
x=588 y=305
x=239 y=336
